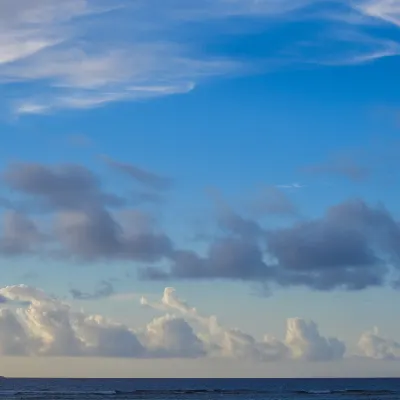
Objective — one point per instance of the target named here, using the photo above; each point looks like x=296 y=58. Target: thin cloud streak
x=144 y=60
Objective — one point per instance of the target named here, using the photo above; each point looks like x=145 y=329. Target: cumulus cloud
x=85 y=224
x=68 y=186
x=97 y=235
x=20 y=235
x=353 y=247
x=42 y=325
x=372 y=345
x=307 y=344
x=151 y=57
x=303 y=340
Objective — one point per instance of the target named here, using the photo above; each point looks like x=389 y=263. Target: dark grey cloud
x=231 y=222
x=67 y=186
x=95 y=235
x=323 y=256
x=227 y=258
x=104 y=289
x=352 y=247
x=140 y=175
x=20 y=235
x=234 y=223
x=83 y=225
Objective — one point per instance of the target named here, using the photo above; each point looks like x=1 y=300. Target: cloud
x=83 y=224
x=169 y=336
x=45 y=326
x=307 y=344
x=353 y=247
x=67 y=187
x=95 y=235
x=227 y=258
x=157 y=54
x=20 y=235
x=372 y=345
x=386 y=10
x=302 y=342
x=294 y=185
x=43 y=46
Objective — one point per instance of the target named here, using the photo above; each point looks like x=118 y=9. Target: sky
x=199 y=188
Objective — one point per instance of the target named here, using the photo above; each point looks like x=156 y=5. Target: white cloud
x=302 y=341
x=34 y=323
x=387 y=10
x=307 y=344
x=169 y=336
x=373 y=345
x=60 y=54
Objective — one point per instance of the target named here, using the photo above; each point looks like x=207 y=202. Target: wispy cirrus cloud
x=59 y=57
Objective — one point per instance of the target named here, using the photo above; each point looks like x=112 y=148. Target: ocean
x=200 y=389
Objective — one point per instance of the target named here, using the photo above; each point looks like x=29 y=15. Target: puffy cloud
x=169 y=336
x=353 y=246
x=70 y=186
x=372 y=345
x=13 y=338
x=95 y=235
x=307 y=344
x=85 y=225
x=303 y=340
x=42 y=325
x=20 y=234
x=227 y=258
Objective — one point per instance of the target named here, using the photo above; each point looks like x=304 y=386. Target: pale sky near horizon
x=203 y=188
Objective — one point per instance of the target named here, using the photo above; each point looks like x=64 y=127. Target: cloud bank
x=58 y=53
x=42 y=325
x=63 y=212
x=33 y=323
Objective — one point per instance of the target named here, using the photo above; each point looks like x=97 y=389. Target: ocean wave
x=40 y=394
x=356 y=392
x=56 y=392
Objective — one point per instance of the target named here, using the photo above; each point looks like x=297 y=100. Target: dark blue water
x=201 y=389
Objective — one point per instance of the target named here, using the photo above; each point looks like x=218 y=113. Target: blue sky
x=249 y=127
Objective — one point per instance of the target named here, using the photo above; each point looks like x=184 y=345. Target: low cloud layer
x=69 y=215
x=34 y=323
